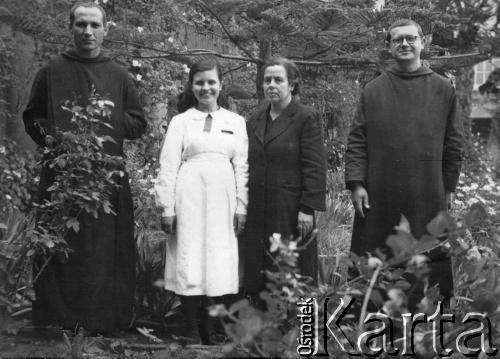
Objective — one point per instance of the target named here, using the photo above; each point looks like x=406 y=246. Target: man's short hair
x=85 y=4
x=403 y=22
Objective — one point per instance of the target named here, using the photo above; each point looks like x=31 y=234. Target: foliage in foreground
x=84 y=178
x=380 y=283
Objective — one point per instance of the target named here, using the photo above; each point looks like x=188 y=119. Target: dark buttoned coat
x=287 y=173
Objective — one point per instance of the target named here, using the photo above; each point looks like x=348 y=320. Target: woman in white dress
x=202 y=186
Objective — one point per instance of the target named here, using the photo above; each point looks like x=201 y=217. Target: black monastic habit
x=95 y=287
x=405 y=148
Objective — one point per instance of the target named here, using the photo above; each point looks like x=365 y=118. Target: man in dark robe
x=94 y=289
x=404 y=150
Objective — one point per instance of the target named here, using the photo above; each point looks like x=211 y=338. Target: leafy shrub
x=16 y=247
x=379 y=282
x=154 y=305
x=84 y=175
x=18 y=178
x=84 y=179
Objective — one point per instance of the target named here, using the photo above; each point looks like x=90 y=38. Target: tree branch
x=226 y=31
x=456 y=61
x=234 y=69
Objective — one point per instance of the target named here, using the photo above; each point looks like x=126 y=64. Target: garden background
x=339 y=47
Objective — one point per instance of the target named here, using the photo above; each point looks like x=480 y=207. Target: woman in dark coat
x=287 y=174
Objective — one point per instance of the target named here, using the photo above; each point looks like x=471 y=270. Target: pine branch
x=219 y=21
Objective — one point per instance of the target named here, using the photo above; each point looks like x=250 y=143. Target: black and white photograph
x=249 y=178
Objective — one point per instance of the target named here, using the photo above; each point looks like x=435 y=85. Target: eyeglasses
x=410 y=39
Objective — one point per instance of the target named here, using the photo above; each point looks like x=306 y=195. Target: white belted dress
x=203 y=182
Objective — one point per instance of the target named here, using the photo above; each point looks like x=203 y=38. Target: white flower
x=170 y=39
x=374 y=262
x=217 y=310
x=397 y=297
x=292 y=245
x=109 y=103
x=8 y=197
x=419 y=336
x=473 y=253
x=140 y=28
x=136 y=63
x=138 y=77
x=419 y=259
x=2 y=150
x=275 y=242
x=471 y=201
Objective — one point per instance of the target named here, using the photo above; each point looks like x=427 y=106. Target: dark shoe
x=211 y=330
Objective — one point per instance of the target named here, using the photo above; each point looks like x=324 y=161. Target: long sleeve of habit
x=453 y=147
x=134 y=121
x=35 y=115
x=356 y=157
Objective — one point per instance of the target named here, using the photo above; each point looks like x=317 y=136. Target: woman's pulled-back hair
x=292 y=71
x=187 y=98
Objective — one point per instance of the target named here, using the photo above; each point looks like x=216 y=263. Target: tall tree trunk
x=14 y=91
x=265 y=52
x=464 y=84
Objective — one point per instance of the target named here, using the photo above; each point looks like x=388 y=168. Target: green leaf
x=485 y=302
x=426 y=243
x=402 y=244
x=476 y=215
x=440 y=225
x=235 y=307
x=73 y=223
x=404 y=225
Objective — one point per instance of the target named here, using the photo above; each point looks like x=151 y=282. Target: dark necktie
x=208 y=123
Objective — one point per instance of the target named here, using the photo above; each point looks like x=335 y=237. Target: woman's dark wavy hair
x=292 y=71
x=187 y=98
